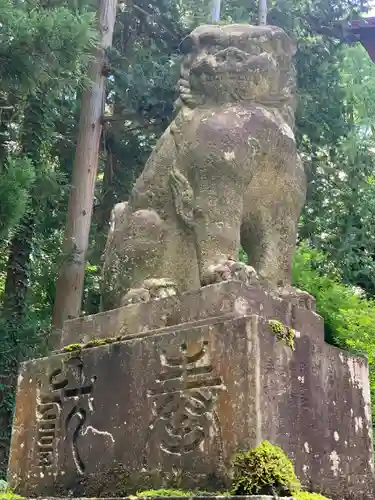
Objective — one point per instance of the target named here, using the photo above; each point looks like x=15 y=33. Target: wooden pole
x=69 y=286
x=263 y=12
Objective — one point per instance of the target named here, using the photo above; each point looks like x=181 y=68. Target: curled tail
x=183 y=196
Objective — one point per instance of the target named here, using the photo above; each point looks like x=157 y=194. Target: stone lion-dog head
x=235 y=63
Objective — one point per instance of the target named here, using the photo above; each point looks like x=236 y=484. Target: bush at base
x=264 y=470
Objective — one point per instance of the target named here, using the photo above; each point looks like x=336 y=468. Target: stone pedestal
x=164 y=393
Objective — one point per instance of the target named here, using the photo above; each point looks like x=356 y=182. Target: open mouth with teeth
x=234 y=63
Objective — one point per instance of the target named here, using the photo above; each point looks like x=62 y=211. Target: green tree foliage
x=44 y=52
x=339 y=215
x=357 y=73
x=40 y=50
x=16 y=178
x=340 y=208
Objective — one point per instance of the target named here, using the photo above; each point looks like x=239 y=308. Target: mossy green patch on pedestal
x=9 y=495
x=92 y=343
x=264 y=470
x=282 y=332
x=72 y=348
x=176 y=493
x=304 y=495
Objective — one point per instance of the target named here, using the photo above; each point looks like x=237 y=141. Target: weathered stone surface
x=231 y=298
x=171 y=406
x=225 y=172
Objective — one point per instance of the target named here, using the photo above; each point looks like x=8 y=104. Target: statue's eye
x=220 y=57
x=238 y=57
x=213 y=49
x=231 y=55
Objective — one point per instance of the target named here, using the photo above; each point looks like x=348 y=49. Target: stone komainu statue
x=226 y=172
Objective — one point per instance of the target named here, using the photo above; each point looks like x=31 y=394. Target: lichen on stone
x=282 y=332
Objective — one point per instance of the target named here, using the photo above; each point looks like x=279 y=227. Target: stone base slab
x=227 y=298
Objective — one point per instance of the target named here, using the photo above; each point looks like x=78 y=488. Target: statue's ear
x=284 y=45
x=289 y=45
x=189 y=44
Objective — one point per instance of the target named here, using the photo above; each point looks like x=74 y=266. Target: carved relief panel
x=183 y=400
x=64 y=405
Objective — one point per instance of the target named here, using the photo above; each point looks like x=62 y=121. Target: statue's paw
x=136 y=295
x=229 y=270
x=297 y=297
x=160 y=288
x=152 y=289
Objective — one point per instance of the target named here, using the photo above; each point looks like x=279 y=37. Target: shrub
x=264 y=470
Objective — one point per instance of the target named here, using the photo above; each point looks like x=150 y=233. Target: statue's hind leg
x=269 y=241
x=149 y=258
x=268 y=236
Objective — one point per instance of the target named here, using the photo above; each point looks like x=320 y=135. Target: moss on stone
x=163 y=493
x=174 y=493
x=120 y=482
x=265 y=470
x=9 y=495
x=282 y=332
x=99 y=342
x=304 y=495
x=72 y=348
x=91 y=343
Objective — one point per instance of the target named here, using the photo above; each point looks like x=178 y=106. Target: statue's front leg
x=228 y=269
x=217 y=231
x=137 y=267
x=150 y=289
